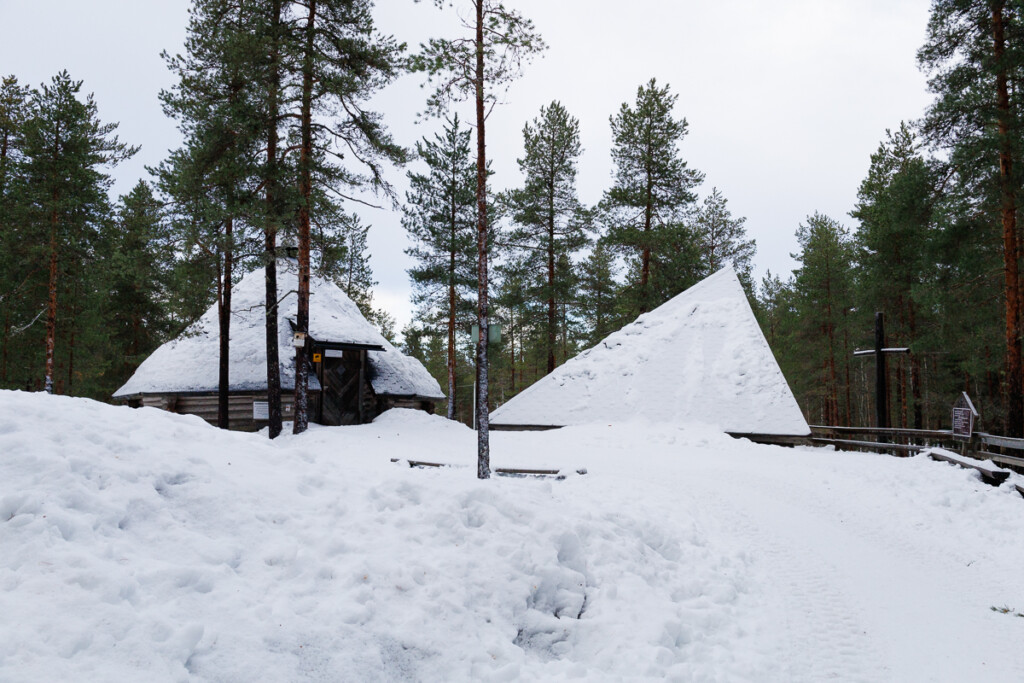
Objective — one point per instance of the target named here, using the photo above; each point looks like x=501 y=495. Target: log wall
x=205 y=406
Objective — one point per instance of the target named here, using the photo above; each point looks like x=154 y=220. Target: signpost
x=964 y=415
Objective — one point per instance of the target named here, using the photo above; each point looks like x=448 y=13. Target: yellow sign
x=317 y=357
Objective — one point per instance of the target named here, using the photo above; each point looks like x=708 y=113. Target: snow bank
x=142 y=545
x=700 y=357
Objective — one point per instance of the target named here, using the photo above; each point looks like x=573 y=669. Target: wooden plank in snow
x=505 y=471
x=990 y=473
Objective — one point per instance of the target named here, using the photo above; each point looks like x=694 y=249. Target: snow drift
x=143 y=545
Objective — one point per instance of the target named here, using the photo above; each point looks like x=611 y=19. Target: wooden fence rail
x=1001 y=450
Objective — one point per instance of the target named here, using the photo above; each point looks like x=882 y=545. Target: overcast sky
x=785 y=99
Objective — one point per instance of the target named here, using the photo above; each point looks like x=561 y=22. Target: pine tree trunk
x=453 y=218
x=826 y=409
x=565 y=332
x=915 y=372
x=224 y=313
x=7 y=343
x=51 y=308
x=645 y=257
x=848 y=407
x=7 y=307
x=512 y=344
x=483 y=467
x=1014 y=374
x=832 y=378
x=552 y=310
x=306 y=198
x=522 y=355
x=271 y=195
x=71 y=339
x=451 y=334
x=551 y=277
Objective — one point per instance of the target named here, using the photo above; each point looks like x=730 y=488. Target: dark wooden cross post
x=881 y=376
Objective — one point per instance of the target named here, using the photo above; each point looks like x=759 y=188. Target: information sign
x=963 y=423
x=964 y=415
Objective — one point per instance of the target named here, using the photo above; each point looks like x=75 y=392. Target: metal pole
x=881 y=390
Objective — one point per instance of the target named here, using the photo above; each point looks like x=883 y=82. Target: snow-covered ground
x=139 y=545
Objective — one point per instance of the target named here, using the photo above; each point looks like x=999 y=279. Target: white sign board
x=260 y=410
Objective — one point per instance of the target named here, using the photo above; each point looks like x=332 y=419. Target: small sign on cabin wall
x=964 y=416
x=317 y=357
x=260 y=410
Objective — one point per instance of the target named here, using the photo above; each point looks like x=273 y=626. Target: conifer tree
x=771 y=303
x=345 y=259
x=341 y=61
x=974 y=53
x=550 y=220
x=66 y=148
x=598 y=291
x=653 y=187
x=213 y=174
x=138 y=257
x=518 y=312
x=271 y=29
x=439 y=216
x=473 y=66
x=823 y=288
x=722 y=238
x=15 y=268
x=895 y=206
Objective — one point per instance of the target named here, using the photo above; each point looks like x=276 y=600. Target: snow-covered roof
x=700 y=357
x=190 y=362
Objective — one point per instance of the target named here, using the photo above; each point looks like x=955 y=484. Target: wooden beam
x=508 y=471
x=1011 y=460
x=989 y=475
x=1001 y=441
x=522 y=428
x=876 y=446
x=890 y=431
x=774 y=439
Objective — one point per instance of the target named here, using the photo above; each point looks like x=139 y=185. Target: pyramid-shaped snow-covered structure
x=698 y=358
x=189 y=364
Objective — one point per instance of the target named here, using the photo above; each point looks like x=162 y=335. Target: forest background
x=932 y=242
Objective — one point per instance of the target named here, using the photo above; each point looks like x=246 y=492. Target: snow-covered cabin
x=698 y=358
x=355 y=375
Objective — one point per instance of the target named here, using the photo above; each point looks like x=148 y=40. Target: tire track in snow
x=838 y=557
x=823 y=633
